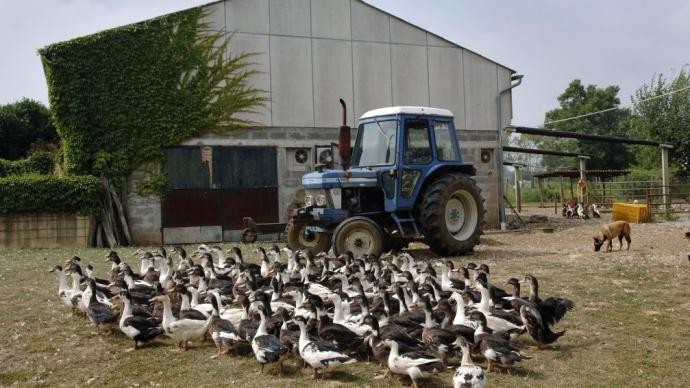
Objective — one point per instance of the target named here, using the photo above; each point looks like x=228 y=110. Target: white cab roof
x=412 y=110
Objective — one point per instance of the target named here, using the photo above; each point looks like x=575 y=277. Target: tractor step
x=412 y=230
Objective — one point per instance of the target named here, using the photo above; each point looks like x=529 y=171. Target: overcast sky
x=551 y=42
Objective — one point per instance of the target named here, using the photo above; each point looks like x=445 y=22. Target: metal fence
x=671 y=198
x=660 y=199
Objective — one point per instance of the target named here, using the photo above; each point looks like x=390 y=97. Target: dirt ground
x=630 y=326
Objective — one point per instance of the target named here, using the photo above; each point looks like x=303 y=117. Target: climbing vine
x=37 y=163
x=120 y=96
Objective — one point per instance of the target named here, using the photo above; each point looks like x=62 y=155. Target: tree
x=577 y=100
x=659 y=114
x=25 y=125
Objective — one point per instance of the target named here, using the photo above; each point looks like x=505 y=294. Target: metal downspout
x=501 y=185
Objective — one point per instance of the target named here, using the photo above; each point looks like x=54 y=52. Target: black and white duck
x=439 y=340
x=459 y=330
x=267 y=347
x=339 y=318
x=339 y=335
x=538 y=329
x=186 y=310
x=416 y=365
x=496 y=294
x=497 y=319
x=494 y=348
x=222 y=331
x=551 y=309
x=136 y=327
x=90 y=273
x=319 y=354
x=99 y=313
x=468 y=375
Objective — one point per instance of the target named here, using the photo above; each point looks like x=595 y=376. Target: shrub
x=49 y=194
x=38 y=163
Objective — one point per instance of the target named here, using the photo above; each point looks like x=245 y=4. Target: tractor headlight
x=309 y=200
x=321 y=200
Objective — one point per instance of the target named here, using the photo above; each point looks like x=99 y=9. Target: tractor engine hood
x=331 y=179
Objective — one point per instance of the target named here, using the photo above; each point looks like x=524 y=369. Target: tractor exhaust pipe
x=344 y=139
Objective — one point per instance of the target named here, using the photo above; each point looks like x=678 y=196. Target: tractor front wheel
x=299 y=238
x=451 y=214
x=359 y=235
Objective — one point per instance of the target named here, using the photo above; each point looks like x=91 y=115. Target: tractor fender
x=435 y=172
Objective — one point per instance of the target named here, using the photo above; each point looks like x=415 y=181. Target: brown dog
x=610 y=231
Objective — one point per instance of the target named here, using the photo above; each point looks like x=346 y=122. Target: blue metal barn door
x=210 y=190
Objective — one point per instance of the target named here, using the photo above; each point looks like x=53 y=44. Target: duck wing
x=462 y=330
x=192 y=314
x=269 y=346
x=341 y=336
x=146 y=328
x=101 y=313
x=247 y=329
x=553 y=310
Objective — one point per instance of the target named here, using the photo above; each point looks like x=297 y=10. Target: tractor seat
x=417 y=155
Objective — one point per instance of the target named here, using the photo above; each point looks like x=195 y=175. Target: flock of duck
x=415 y=317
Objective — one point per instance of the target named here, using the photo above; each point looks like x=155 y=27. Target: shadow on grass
x=517 y=371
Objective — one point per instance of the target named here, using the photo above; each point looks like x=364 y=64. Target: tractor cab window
x=375 y=144
x=445 y=149
x=417 y=144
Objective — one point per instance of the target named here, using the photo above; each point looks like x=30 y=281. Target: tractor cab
x=375 y=202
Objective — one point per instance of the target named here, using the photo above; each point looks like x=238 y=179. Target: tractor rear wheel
x=451 y=213
x=360 y=235
x=298 y=238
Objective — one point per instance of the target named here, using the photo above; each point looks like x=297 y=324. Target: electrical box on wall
x=486 y=155
x=324 y=155
x=299 y=159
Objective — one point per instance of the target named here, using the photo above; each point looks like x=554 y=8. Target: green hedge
x=38 y=163
x=49 y=194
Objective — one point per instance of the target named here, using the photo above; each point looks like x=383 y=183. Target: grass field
x=631 y=325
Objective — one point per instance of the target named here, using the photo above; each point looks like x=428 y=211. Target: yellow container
x=631 y=212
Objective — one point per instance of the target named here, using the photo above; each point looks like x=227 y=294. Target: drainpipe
x=515 y=80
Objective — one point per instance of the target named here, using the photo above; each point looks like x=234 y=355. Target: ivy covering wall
x=120 y=96
x=37 y=163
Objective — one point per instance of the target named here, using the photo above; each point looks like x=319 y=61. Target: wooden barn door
x=217 y=186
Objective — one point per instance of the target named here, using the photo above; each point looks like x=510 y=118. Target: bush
x=38 y=163
x=49 y=194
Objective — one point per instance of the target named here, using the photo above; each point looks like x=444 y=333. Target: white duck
x=64 y=292
x=416 y=365
x=339 y=318
x=180 y=330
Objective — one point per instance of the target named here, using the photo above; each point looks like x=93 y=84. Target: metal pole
x=664 y=176
x=562 y=194
x=518 y=202
x=501 y=189
x=541 y=192
x=581 y=187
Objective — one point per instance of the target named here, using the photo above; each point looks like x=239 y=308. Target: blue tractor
x=403 y=181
